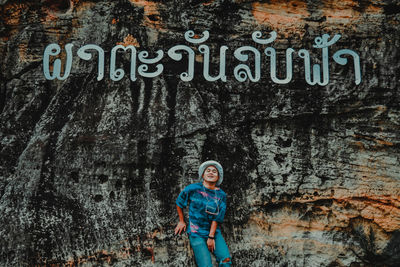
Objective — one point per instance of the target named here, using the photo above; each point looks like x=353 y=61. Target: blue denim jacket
x=205 y=206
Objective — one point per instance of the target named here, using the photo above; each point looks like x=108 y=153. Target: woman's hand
x=180 y=227
x=211 y=244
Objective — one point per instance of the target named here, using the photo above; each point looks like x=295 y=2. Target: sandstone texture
x=90 y=170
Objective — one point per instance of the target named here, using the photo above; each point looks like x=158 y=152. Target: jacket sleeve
x=222 y=209
x=183 y=197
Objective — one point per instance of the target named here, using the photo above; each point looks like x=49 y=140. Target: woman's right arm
x=181 y=224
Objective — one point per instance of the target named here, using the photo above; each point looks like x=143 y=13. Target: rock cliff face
x=89 y=170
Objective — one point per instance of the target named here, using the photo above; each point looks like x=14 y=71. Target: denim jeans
x=203 y=255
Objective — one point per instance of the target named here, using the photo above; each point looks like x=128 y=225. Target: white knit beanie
x=205 y=164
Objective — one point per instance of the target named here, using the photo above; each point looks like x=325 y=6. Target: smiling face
x=211 y=174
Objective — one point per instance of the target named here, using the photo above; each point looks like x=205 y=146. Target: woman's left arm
x=211 y=235
x=222 y=209
x=218 y=219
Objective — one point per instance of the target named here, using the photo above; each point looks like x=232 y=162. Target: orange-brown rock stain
x=22 y=52
x=11 y=13
x=209 y=2
x=281 y=16
x=62 y=35
x=289 y=226
x=291 y=16
x=152 y=17
x=129 y=40
x=11 y=16
x=379 y=141
x=347 y=11
x=81 y=6
x=384 y=210
x=151 y=251
x=376 y=179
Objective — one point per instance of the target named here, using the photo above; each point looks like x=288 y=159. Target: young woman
x=207 y=206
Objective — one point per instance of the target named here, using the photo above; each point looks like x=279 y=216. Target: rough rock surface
x=89 y=170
